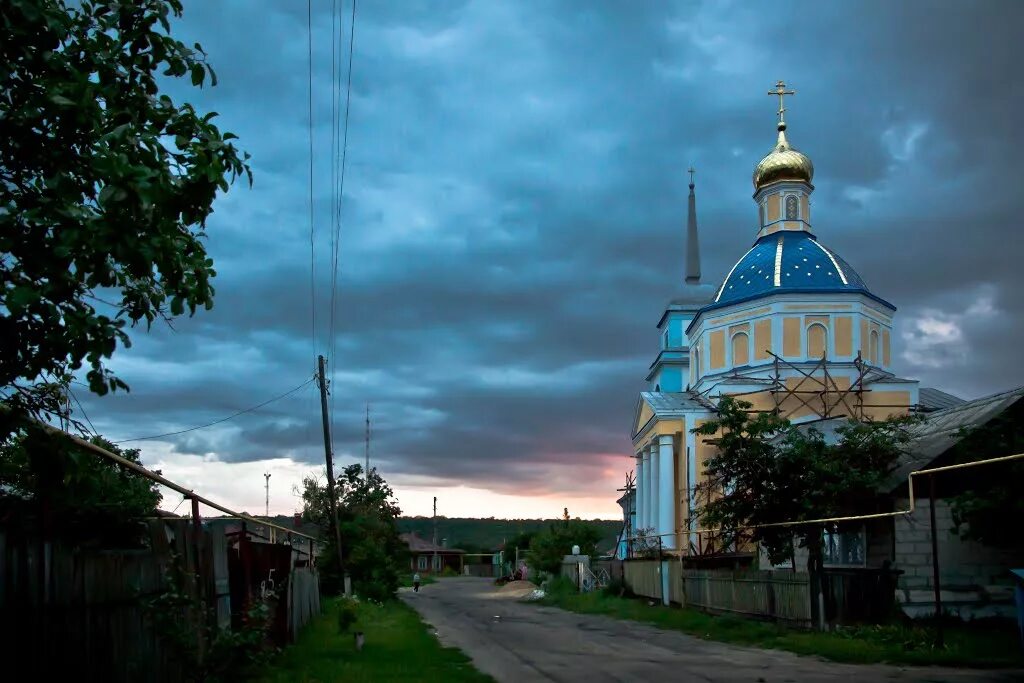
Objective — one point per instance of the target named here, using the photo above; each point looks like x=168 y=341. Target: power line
x=341 y=190
x=86 y=416
x=223 y=419
x=312 y=231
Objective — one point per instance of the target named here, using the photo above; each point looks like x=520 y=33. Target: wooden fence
x=81 y=614
x=779 y=596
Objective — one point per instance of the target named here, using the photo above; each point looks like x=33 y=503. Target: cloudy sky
x=513 y=217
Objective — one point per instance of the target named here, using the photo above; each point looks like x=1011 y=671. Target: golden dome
x=783 y=163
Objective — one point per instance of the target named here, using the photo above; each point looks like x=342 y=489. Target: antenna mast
x=266 y=476
x=367 y=442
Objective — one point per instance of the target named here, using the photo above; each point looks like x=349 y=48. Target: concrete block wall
x=974 y=579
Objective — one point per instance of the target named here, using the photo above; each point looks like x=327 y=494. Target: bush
x=347 y=614
x=617 y=588
x=448 y=571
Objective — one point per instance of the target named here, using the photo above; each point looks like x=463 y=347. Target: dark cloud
x=514 y=207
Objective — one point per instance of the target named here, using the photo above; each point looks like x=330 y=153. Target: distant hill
x=487 y=534
x=472 y=534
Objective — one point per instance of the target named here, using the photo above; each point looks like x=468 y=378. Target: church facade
x=792 y=327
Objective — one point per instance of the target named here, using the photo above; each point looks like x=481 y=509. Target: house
x=427 y=558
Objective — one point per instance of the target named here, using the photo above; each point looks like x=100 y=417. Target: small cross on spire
x=691 y=171
x=781 y=92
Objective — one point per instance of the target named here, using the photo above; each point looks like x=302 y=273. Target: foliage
x=399 y=647
x=182 y=618
x=489 y=534
x=372 y=552
x=521 y=540
x=645 y=543
x=105 y=188
x=992 y=503
x=618 y=588
x=766 y=470
x=347 y=614
x=549 y=546
x=96 y=500
x=966 y=645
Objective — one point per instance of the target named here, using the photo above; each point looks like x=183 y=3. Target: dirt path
x=519 y=642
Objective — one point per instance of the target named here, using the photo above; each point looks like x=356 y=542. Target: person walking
x=416 y=582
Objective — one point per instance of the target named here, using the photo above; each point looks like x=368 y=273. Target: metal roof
x=930 y=399
x=939 y=430
x=675 y=402
x=419 y=545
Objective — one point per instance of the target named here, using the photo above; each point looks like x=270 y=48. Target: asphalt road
x=518 y=642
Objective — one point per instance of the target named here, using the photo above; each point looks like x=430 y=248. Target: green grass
x=399 y=647
x=965 y=646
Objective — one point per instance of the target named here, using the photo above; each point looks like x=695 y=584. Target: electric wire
x=223 y=419
x=312 y=225
x=340 y=199
x=84 y=414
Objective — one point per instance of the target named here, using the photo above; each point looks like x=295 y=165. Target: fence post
x=198 y=577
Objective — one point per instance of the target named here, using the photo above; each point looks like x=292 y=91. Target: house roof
x=930 y=399
x=675 y=402
x=419 y=545
x=939 y=431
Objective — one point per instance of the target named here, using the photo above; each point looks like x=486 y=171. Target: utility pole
x=329 y=456
x=367 y=442
x=435 y=566
x=266 y=476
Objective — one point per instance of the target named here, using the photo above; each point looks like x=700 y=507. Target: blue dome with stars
x=789 y=261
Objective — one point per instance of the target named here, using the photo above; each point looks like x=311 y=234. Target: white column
x=645 y=510
x=639 y=492
x=667 y=492
x=653 y=520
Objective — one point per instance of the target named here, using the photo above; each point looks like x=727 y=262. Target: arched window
x=873 y=346
x=696 y=364
x=792 y=208
x=817 y=340
x=740 y=349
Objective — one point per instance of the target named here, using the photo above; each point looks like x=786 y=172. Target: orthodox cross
x=781 y=92
x=691 y=171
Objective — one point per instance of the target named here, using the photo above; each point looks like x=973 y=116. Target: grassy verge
x=399 y=647
x=897 y=644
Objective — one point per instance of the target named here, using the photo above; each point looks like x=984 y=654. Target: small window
x=844 y=547
x=437 y=563
x=817 y=340
x=665 y=346
x=792 y=208
x=873 y=347
x=421 y=562
x=740 y=349
x=696 y=364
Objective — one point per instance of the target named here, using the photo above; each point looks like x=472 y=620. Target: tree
x=105 y=188
x=548 y=547
x=991 y=506
x=766 y=470
x=82 y=498
x=373 y=553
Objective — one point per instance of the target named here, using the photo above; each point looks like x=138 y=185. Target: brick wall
x=974 y=578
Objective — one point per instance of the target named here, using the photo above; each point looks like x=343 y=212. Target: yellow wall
x=717 y=349
x=791 y=336
x=885 y=349
x=844 y=335
x=762 y=339
x=864 y=338
x=773 y=208
x=805 y=211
